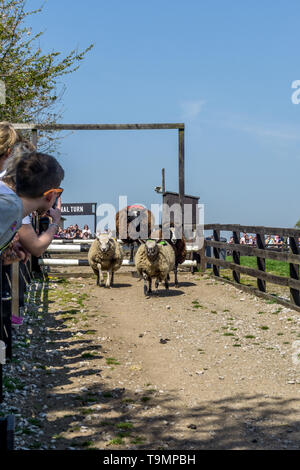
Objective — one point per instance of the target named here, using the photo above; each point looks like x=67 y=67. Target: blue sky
x=225 y=69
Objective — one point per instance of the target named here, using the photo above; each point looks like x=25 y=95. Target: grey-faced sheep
x=178 y=245
x=133 y=224
x=105 y=255
x=154 y=260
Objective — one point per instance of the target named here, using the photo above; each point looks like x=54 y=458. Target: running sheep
x=154 y=260
x=105 y=255
x=177 y=242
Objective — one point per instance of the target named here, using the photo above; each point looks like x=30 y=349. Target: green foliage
x=30 y=76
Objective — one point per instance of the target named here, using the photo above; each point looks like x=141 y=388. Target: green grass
x=112 y=361
x=125 y=425
x=86 y=444
x=195 y=304
x=127 y=400
x=87 y=411
x=145 y=399
x=118 y=441
x=272 y=266
x=124 y=434
x=137 y=440
x=11 y=384
x=35 y=422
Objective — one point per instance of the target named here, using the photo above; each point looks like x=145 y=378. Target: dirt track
x=202 y=367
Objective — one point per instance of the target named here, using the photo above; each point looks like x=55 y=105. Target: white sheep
x=154 y=260
x=105 y=254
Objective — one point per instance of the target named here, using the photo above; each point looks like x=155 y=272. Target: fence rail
x=289 y=254
x=282 y=232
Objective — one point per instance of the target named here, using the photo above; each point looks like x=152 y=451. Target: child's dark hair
x=36 y=173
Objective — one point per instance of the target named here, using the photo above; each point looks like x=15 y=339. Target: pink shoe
x=16 y=320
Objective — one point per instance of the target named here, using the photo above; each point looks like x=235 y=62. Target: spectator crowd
x=74 y=232
x=246 y=239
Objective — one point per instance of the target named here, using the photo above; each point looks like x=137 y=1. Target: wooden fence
x=261 y=252
x=13 y=281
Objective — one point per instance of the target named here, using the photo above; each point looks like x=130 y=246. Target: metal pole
x=95 y=218
x=163 y=181
x=181 y=169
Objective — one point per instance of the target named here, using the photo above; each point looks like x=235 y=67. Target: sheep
x=154 y=260
x=178 y=245
x=126 y=229
x=105 y=254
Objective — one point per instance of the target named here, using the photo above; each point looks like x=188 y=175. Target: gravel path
x=204 y=366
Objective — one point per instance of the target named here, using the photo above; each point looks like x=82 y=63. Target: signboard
x=79 y=208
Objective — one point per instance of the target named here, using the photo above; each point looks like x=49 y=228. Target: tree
x=31 y=78
x=297 y=224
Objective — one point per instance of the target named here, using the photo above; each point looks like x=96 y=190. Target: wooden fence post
x=202 y=257
x=294 y=271
x=261 y=262
x=15 y=289
x=236 y=257
x=216 y=269
x=7 y=431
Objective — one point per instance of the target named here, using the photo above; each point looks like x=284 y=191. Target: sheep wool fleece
x=112 y=259
x=158 y=268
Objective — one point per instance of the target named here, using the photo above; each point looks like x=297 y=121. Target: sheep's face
x=175 y=234
x=151 y=248
x=104 y=240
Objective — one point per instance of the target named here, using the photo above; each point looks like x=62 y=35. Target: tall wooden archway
x=34 y=128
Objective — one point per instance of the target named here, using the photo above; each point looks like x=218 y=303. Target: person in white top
x=86 y=231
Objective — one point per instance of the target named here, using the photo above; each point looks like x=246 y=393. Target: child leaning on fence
x=34 y=243
x=38 y=178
